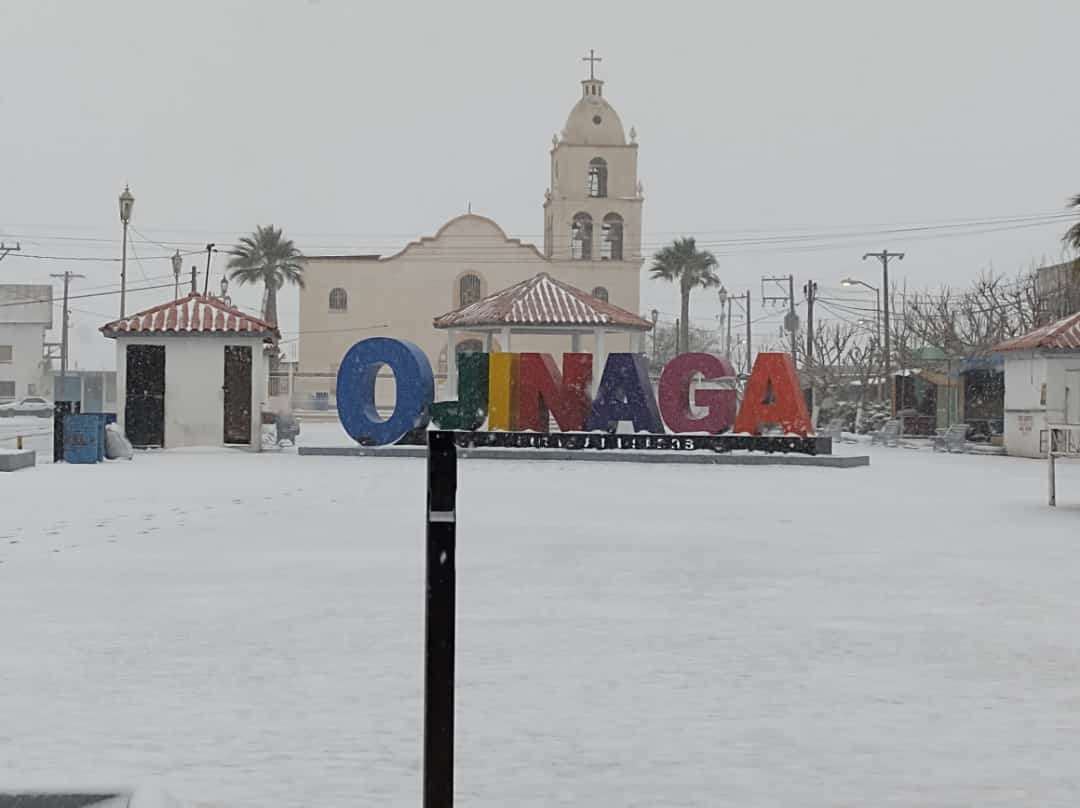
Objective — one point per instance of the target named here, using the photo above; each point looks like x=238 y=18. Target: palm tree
x=682 y=261
x=268 y=258
x=1072 y=235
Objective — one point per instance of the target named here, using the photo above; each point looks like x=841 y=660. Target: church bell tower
x=592 y=210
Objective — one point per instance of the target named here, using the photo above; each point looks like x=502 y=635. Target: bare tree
x=666 y=336
x=845 y=368
x=971 y=321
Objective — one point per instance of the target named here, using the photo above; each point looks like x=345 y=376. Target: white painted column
x=575 y=343
x=488 y=341
x=599 y=356
x=506 y=340
x=451 y=363
x=1050 y=460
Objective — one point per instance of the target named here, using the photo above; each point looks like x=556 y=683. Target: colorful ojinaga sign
x=522 y=392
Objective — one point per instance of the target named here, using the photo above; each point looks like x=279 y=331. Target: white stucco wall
x=27 y=343
x=194 y=386
x=1027 y=412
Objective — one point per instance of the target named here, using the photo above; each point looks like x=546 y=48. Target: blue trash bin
x=83 y=436
x=104 y=418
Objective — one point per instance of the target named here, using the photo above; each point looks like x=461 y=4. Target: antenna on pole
x=5 y=249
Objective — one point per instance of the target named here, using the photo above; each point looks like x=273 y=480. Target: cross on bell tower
x=592 y=59
x=592 y=209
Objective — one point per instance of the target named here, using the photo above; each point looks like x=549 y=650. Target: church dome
x=593 y=121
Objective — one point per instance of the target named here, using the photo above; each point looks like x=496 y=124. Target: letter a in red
x=773 y=397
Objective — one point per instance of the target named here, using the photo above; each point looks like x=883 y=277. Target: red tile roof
x=194 y=314
x=541 y=301
x=1064 y=335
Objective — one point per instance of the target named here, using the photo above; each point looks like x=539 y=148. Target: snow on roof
x=1064 y=335
x=541 y=301
x=194 y=314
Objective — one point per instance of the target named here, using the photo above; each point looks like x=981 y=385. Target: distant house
x=191 y=372
x=1042 y=384
x=944 y=390
x=25 y=316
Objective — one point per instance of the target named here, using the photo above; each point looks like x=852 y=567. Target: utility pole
x=791 y=319
x=749 y=353
x=810 y=290
x=5 y=249
x=727 y=344
x=206 y=281
x=746 y=306
x=794 y=321
x=884 y=257
x=67 y=276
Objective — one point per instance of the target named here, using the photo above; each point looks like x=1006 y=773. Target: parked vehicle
x=31 y=405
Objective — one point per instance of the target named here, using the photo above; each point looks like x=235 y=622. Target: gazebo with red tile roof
x=540 y=305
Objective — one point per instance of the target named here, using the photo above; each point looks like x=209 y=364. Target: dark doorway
x=237 y=394
x=144 y=397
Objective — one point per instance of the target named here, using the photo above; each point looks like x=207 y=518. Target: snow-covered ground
x=246 y=630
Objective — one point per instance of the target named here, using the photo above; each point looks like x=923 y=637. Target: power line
x=753 y=238
x=29 y=301
x=138 y=261
x=92 y=259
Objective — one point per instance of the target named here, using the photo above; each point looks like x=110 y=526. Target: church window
x=597 y=183
x=612 y=237
x=581 y=237
x=339 y=300
x=468 y=289
x=600 y=293
x=465 y=346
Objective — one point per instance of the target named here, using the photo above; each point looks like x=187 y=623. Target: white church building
x=592 y=240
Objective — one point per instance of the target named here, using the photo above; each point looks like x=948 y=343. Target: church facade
x=592 y=240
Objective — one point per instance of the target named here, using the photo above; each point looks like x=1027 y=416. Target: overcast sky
x=363 y=125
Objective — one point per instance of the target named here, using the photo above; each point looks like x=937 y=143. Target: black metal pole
x=206 y=281
x=439 y=621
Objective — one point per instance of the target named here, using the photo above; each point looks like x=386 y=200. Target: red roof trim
x=1063 y=335
x=193 y=314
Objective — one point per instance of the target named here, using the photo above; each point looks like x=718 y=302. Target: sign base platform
x=615 y=456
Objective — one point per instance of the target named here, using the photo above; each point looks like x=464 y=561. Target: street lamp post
x=877 y=320
x=725 y=318
x=884 y=257
x=177 y=265
x=127 y=202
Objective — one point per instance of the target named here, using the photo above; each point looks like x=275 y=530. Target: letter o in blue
x=356 y=390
